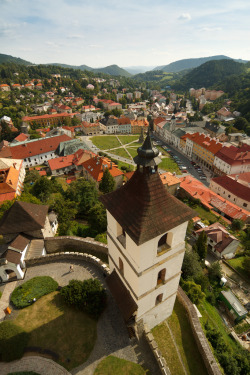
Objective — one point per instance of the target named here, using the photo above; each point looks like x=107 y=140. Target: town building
x=47 y=120
x=233 y=189
x=194 y=189
x=24 y=227
x=232 y=160
x=233 y=306
x=171 y=182
x=146 y=232
x=124 y=125
x=4 y=87
x=219 y=241
x=36 y=151
x=12 y=174
x=91 y=128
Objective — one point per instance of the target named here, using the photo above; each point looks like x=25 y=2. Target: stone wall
x=79 y=244
x=156 y=351
x=199 y=335
x=49 y=258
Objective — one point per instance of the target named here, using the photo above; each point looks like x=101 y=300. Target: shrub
x=13 y=340
x=88 y=295
x=37 y=287
x=101 y=237
x=193 y=291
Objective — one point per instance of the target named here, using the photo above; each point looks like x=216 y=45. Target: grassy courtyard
x=179 y=324
x=237 y=264
x=105 y=142
x=114 y=365
x=52 y=325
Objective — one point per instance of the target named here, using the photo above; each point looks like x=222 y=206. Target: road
x=184 y=159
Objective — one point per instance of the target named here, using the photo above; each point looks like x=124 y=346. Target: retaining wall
x=199 y=335
x=156 y=351
x=49 y=258
x=73 y=243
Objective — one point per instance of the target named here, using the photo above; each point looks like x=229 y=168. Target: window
x=161 y=276
x=121 y=267
x=159 y=299
x=164 y=243
x=244 y=204
x=229 y=195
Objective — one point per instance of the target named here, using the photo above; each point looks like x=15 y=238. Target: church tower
x=146 y=233
x=172 y=124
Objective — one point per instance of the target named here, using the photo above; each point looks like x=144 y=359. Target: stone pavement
x=42 y=366
x=5 y=299
x=112 y=335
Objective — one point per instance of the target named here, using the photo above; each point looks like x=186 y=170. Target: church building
x=146 y=241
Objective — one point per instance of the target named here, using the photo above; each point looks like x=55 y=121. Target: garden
x=58 y=324
x=114 y=365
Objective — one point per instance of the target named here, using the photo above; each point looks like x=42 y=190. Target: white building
x=146 y=233
x=232 y=160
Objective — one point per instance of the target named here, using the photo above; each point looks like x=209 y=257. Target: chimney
x=14 y=165
x=10 y=182
x=236 y=177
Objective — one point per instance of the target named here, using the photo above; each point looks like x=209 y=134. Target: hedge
x=37 y=287
x=13 y=340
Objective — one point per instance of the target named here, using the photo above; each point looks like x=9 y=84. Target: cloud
x=184 y=17
x=75 y=36
x=211 y=29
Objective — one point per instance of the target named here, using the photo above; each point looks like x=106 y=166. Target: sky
x=99 y=33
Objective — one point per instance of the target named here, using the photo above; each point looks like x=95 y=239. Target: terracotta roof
x=122 y=296
x=62 y=162
x=94 y=166
x=21 y=137
x=235 y=155
x=211 y=200
x=124 y=120
x=169 y=179
x=40 y=146
x=233 y=187
x=206 y=142
x=243 y=178
x=34 y=118
x=144 y=208
x=23 y=217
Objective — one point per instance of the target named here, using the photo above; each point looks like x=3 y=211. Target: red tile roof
x=21 y=137
x=233 y=186
x=62 y=162
x=235 y=155
x=211 y=200
x=34 y=118
x=37 y=147
x=204 y=141
x=95 y=166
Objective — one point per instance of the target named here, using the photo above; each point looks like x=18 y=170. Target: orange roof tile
x=95 y=166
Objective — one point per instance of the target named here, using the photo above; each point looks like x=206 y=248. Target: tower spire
x=147 y=154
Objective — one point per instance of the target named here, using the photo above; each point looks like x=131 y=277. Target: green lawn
x=237 y=264
x=132 y=151
x=206 y=215
x=128 y=138
x=165 y=343
x=121 y=152
x=180 y=327
x=169 y=165
x=113 y=365
x=209 y=313
x=52 y=325
x=105 y=142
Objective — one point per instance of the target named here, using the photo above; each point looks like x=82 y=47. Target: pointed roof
x=23 y=217
x=142 y=206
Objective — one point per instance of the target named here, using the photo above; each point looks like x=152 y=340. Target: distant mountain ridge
x=15 y=60
x=179 y=65
x=113 y=70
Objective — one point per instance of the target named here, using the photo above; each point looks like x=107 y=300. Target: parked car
x=203 y=178
x=193 y=163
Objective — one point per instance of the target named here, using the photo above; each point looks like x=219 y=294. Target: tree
x=107 y=183
x=214 y=272
x=246 y=264
x=97 y=218
x=191 y=266
x=201 y=245
x=31 y=176
x=193 y=291
x=237 y=224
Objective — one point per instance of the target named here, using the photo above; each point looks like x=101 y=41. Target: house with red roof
x=232 y=160
x=47 y=120
x=231 y=188
x=91 y=128
x=69 y=163
x=16 y=86
x=21 y=138
x=94 y=168
x=219 y=240
x=4 y=87
x=12 y=174
x=194 y=189
x=88 y=108
x=37 y=151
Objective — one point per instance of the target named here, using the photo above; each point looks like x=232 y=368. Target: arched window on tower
x=164 y=243
x=161 y=276
x=121 y=235
x=159 y=299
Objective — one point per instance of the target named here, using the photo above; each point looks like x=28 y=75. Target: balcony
x=163 y=249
